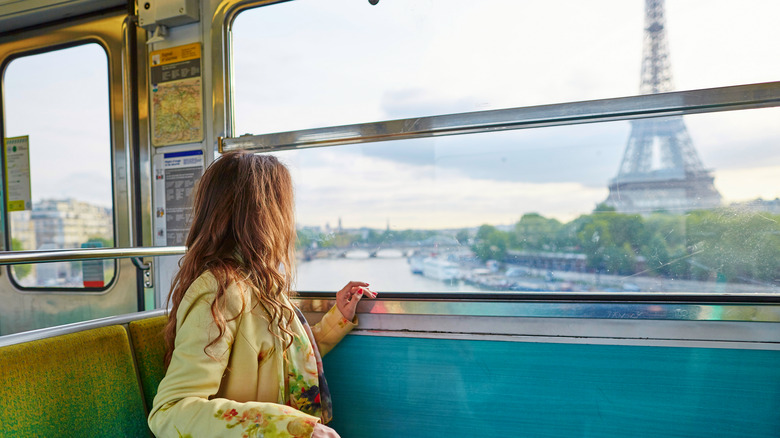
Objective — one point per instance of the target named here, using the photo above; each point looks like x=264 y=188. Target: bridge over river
x=378 y=251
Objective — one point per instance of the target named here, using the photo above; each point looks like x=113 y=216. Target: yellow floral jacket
x=250 y=387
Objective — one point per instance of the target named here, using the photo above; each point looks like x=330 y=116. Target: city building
x=68 y=223
x=22 y=230
x=63 y=224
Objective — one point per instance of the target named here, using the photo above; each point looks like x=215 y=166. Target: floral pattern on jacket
x=245 y=385
x=302 y=377
x=257 y=424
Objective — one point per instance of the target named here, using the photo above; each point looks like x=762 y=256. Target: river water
x=382 y=274
x=392 y=273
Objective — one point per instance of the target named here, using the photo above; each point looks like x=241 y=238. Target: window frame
x=678 y=103
x=46 y=40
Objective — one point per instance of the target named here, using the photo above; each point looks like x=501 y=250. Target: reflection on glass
x=528 y=211
x=69 y=163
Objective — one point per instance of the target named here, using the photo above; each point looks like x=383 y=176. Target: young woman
x=242 y=361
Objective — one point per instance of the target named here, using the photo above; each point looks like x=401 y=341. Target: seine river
x=382 y=274
x=393 y=274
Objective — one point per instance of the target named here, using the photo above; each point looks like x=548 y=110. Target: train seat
x=79 y=384
x=149 y=348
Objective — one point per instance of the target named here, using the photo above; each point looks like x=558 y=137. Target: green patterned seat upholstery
x=82 y=384
x=149 y=347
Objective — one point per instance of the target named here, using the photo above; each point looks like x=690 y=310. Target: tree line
x=715 y=245
x=721 y=244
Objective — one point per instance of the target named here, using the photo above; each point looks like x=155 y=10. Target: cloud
x=370 y=191
x=585 y=154
x=737 y=185
x=736 y=140
x=467 y=55
x=92 y=187
x=401 y=60
x=739 y=40
x=419 y=102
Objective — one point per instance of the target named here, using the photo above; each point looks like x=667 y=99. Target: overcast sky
x=346 y=61
x=308 y=63
x=60 y=100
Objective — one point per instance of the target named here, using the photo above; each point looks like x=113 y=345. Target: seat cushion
x=149 y=347
x=82 y=384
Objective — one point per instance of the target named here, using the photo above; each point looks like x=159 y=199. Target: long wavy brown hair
x=243 y=231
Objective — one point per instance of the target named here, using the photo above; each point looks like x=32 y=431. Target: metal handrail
x=677 y=103
x=72 y=255
x=75 y=327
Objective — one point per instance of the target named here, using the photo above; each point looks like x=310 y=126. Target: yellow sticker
x=15 y=205
x=17 y=173
x=175 y=54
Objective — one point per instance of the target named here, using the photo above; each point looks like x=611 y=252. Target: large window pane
x=308 y=63
x=657 y=205
x=523 y=210
x=61 y=106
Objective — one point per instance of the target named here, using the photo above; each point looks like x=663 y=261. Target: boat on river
x=440 y=269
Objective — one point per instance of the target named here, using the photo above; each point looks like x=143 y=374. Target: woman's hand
x=348 y=297
x=322 y=431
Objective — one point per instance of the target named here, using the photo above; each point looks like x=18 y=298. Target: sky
x=308 y=63
x=349 y=62
x=60 y=100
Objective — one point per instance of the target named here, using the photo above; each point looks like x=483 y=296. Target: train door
x=75 y=170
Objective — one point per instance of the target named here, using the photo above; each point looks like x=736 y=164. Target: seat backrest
x=149 y=347
x=81 y=384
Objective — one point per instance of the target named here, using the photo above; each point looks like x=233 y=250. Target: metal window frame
x=761 y=307
x=106 y=29
x=74 y=255
x=740 y=97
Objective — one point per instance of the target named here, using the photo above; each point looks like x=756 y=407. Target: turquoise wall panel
x=412 y=387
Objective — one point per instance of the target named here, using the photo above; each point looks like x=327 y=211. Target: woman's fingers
x=348 y=297
x=359 y=293
x=367 y=292
x=352 y=285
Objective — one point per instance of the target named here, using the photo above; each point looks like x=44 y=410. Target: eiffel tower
x=660 y=169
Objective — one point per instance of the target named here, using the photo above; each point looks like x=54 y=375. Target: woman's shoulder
x=205 y=281
x=205 y=287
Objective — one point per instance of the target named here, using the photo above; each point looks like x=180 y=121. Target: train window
x=658 y=205
x=58 y=185
x=347 y=61
x=544 y=210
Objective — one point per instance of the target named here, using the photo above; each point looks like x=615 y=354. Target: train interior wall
x=388 y=386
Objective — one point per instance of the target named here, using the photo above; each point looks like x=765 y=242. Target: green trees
x=21 y=271
x=534 y=232
x=490 y=243
x=713 y=245
x=612 y=241
x=716 y=245
x=734 y=246
x=370 y=237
